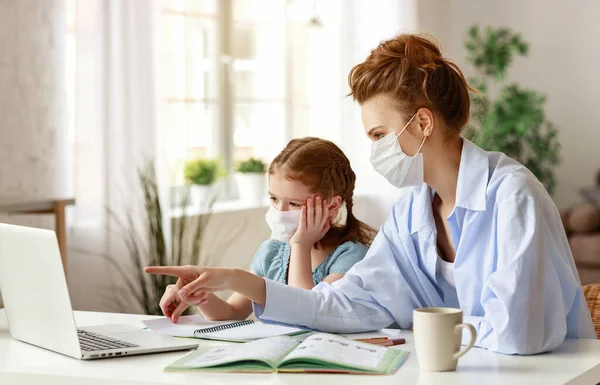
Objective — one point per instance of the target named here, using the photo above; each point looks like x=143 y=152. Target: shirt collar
x=473 y=177
x=471 y=187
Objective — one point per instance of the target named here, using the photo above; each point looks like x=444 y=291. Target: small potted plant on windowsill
x=201 y=175
x=251 y=181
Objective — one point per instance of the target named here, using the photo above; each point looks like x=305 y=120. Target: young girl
x=315 y=236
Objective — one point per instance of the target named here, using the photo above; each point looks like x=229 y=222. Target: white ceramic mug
x=438 y=332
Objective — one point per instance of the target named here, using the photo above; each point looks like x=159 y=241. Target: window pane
x=259 y=130
x=189 y=127
x=189 y=51
x=259 y=61
x=197 y=7
x=258 y=10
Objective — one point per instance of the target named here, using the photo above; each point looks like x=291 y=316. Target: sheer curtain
x=364 y=25
x=116 y=126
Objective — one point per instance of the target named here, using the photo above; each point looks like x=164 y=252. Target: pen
x=390 y=342
x=372 y=340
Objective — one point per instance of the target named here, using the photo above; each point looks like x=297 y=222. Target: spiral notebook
x=235 y=331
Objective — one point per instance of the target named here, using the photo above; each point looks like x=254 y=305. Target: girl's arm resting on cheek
x=314 y=224
x=300 y=267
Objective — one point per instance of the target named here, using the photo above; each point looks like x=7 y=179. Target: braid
x=323 y=167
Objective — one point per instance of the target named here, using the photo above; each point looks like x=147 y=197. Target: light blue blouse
x=516 y=281
x=272 y=259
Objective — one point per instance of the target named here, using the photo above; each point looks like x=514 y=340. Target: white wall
x=563 y=63
x=33 y=138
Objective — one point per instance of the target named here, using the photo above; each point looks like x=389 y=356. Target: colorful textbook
x=319 y=353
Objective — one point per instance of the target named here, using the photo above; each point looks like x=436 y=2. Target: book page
x=250 y=332
x=270 y=350
x=184 y=328
x=338 y=350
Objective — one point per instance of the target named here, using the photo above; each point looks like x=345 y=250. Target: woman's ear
x=425 y=120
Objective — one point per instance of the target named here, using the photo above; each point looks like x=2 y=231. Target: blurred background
x=140 y=130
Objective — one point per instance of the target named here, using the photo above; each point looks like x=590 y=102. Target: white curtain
x=115 y=132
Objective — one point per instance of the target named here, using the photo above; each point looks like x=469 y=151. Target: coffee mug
x=437 y=333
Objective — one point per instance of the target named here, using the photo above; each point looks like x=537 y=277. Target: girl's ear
x=334 y=205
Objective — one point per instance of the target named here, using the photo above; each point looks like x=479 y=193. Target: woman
x=477 y=230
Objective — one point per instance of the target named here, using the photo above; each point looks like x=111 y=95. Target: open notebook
x=196 y=326
x=319 y=353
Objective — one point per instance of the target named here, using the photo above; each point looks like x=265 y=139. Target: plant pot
x=200 y=196
x=251 y=187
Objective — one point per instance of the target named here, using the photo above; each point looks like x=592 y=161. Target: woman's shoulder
x=510 y=180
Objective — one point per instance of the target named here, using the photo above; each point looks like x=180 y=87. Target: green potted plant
x=251 y=180
x=512 y=120
x=201 y=175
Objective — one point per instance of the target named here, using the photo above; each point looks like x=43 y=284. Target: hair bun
x=422 y=52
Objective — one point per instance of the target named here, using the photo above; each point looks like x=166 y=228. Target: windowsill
x=218 y=207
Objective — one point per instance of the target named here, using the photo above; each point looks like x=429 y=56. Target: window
x=224 y=79
x=240 y=78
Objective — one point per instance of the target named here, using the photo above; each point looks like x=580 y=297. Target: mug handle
x=473 y=332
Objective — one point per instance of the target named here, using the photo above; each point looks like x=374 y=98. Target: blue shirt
x=273 y=257
x=516 y=281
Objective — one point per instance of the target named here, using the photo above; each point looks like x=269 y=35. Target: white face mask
x=394 y=165
x=283 y=224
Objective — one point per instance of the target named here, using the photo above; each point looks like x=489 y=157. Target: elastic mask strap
x=401 y=131
x=422 y=144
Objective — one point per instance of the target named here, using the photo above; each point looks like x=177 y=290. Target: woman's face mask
x=388 y=159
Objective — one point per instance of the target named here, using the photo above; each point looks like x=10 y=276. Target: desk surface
x=575 y=362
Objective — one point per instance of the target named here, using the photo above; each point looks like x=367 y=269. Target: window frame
x=222 y=144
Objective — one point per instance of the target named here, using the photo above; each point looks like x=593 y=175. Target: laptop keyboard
x=92 y=342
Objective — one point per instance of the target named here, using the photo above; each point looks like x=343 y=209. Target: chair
x=592 y=297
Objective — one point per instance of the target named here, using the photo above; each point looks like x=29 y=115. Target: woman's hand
x=191 y=288
x=195 y=281
x=314 y=223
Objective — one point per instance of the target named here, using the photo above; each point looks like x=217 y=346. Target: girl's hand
x=314 y=223
x=170 y=303
x=193 y=284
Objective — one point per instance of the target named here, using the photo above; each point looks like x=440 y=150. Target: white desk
x=576 y=362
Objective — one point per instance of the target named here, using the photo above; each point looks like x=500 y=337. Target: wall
x=563 y=63
x=33 y=135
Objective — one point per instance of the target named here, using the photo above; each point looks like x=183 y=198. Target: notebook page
x=184 y=328
x=250 y=332
x=270 y=350
x=335 y=349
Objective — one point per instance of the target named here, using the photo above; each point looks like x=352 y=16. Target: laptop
x=38 y=307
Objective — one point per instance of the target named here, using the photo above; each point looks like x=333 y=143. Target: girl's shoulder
x=350 y=247
x=343 y=257
x=271 y=253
